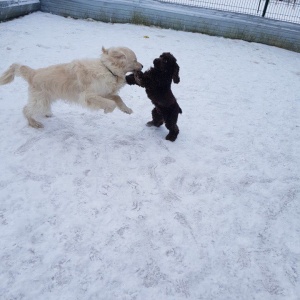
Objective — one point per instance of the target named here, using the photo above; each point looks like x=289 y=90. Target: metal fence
x=283 y=10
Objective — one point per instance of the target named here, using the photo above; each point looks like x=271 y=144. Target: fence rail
x=283 y=10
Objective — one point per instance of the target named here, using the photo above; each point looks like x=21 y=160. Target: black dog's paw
x=152 y=123
x=138 y=77
x=171 y=136
x=130 y=79
x=176 y=80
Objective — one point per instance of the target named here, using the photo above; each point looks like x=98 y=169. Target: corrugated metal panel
x=12 y=8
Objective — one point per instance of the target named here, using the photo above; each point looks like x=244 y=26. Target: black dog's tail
x=179 y=109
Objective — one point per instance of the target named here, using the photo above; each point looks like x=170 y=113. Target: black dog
x=157 y=81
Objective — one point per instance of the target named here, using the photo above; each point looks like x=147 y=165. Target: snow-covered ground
x=99 y=206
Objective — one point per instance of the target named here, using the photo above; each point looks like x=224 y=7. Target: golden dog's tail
x=16 y=70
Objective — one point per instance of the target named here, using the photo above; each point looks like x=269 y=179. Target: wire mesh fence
x=284 y=10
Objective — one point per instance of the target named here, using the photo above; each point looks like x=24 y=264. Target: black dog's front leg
x=130 y=79
x=135 y=78
x=139 y=78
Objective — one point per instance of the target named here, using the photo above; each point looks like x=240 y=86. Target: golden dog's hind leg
x=31 y=121
x=48 y=112
x=38 y=104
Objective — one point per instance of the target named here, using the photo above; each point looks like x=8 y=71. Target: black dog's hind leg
x=173 y=132
x=171 y=124
x=157 y=119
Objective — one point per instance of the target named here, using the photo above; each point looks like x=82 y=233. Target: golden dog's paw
x=110 y=108
x=127 y=110
x=35 y=124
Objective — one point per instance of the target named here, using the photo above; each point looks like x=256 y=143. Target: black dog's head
x=167 y=63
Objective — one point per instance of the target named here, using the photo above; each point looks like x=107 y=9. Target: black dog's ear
x=175 y=76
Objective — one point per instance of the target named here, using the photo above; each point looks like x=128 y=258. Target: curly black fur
x=157 y=82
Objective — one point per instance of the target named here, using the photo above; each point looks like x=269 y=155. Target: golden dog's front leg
x=96 y=102
x=121 y=105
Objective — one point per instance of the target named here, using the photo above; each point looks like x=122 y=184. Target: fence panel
x=284 y=10
x=241 y=6
x=10 y=9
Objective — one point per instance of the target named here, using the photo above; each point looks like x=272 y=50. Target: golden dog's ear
x=117 y=57
x=105 y=51
x=175 y=76
x=117 y=54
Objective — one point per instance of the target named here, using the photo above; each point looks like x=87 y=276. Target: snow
x=99 y=206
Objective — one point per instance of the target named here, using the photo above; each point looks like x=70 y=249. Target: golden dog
x=93 y=83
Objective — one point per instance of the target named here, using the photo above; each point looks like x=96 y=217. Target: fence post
x=265 y=7
x=258 y=6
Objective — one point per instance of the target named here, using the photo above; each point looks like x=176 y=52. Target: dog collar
x=110 y=70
